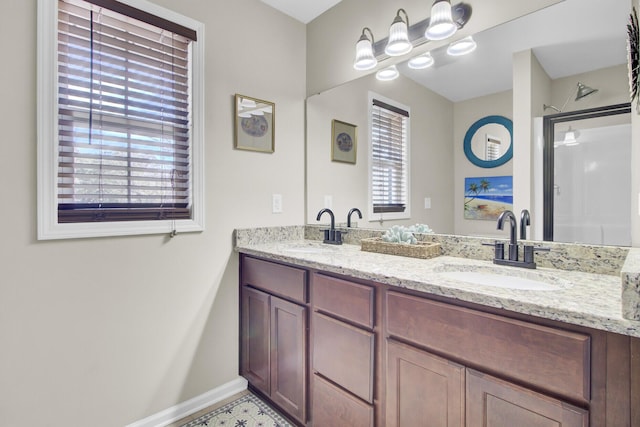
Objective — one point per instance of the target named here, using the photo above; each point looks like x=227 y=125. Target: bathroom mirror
x=488 y=142
x=446 y=99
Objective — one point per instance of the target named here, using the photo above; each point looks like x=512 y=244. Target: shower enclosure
x=587 y=176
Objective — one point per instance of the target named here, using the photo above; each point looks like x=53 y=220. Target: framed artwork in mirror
x=254 y=124
x=489 y=142
x=486 y=197
x=344 y=141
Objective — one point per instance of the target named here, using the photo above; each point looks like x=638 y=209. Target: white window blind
x=492 y=148
x=389 y=157
x=124 y=114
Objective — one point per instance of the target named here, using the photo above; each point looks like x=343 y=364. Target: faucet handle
x=498 y=249
x=530 y=249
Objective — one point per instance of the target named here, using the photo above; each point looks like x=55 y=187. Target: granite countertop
x=586 y=299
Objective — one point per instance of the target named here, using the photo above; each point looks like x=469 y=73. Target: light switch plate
x=427 y=202
x=328 y=202
x=276 y=203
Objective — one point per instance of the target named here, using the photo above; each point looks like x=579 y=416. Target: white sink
x=530 y=280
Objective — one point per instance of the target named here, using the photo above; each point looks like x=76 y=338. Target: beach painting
x=485 y=198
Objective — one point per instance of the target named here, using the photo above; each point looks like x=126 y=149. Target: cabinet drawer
x=348 y=300
x=335 y=407
x=552 y=359
x=344 y=354
x=276 y=279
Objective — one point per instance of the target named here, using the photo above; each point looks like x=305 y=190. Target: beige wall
x=331 y=38
x=431 y=156
x=465 y=114
x=108 y=331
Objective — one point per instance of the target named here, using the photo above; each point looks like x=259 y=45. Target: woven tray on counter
x=419 y=250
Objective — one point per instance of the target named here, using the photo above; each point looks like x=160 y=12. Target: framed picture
x=254 y=124
x=485 y=198
x=344 y=141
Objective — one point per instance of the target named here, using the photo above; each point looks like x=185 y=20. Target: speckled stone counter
x=630 y=276
x=582 y=298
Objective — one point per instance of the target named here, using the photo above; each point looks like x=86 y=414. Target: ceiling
x=568 y=38
x=304 y=11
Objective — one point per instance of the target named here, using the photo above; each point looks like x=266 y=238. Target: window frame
x=388 y=216
x=48 y=226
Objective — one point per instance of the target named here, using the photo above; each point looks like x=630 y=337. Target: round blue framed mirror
x=489 y=142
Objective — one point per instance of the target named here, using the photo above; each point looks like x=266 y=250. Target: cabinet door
x=495 y=403
x=255 y=363
x=288 y=357
x=423 y=389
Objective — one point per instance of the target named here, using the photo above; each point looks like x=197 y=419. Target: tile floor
x=253 y=412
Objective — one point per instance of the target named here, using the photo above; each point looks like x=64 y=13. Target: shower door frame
x=549 y=123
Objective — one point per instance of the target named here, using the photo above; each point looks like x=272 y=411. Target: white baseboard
x=193 y=405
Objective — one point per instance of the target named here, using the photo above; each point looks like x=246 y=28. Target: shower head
x=584 y=91
x=581 y=92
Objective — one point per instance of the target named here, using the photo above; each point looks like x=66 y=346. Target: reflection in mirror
x=488 y=142
x=447 y=98
x=587 y=169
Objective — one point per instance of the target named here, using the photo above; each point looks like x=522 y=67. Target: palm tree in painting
x=475 y=189
x=484 y=185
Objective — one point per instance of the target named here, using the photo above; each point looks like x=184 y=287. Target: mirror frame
x=499 y=120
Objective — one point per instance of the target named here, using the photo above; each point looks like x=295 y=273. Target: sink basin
x=503 y=278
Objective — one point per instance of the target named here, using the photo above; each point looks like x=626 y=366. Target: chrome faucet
x=513 y=241
x=349 y=216
x=331 y=236
x=525 y=219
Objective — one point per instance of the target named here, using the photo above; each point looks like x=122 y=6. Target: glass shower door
x=591 y=180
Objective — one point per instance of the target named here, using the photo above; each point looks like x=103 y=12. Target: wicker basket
x=419 y=250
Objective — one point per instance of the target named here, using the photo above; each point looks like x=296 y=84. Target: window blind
x=389 y=151
x=123 y=117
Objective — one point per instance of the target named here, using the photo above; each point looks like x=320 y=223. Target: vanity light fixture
x=365 y=59
x=399 y=43
x=445 y=20
x=441 y=23
x=462 y=47
x=388 y=74
x=421 y=61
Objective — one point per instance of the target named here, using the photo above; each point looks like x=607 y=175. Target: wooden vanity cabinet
x=543 y=365
x=273 y=344
x=383 y=356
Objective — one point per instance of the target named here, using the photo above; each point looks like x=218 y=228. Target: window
x=389 y=171
x=492 y=148
x=120 y=143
